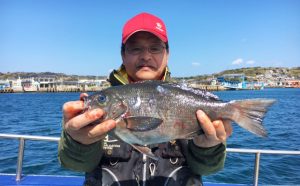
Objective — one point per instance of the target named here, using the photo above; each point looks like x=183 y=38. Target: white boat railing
x=22 y=139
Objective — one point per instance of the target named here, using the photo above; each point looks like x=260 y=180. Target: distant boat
x=30 y=89
x=30 y=85
x=238 y=82
x=292 y=84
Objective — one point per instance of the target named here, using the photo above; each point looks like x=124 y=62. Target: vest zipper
x=144 y=169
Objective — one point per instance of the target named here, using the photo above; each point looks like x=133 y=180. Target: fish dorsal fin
x=142 y=123
x=145 y=150
x=200 y=92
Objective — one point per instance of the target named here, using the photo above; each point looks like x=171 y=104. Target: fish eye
x=102 y=99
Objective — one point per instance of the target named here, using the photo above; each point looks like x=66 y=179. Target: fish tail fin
x=249 y=114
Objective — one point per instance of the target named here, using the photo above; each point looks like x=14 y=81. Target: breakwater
x=93 y=89
x=73 y=89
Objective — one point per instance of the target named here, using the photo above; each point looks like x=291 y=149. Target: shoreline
x=66 y=90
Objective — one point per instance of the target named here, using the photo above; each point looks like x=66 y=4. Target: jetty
x=209 y=87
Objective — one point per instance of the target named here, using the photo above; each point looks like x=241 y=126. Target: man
x=107 y=161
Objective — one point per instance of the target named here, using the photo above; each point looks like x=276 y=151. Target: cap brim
x=145 y=30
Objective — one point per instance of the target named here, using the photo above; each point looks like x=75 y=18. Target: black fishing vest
x=122 y=165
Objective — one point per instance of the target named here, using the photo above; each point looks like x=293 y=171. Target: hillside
x=16 y=75
x=251 y=73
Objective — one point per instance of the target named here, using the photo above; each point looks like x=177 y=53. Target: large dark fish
x=152 y=112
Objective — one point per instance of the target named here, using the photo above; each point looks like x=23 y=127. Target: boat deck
x=50 y=180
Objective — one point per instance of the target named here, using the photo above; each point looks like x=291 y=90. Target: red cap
x=145 y=22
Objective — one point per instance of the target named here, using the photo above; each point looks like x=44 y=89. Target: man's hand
x=215 y=132
x=76 y=123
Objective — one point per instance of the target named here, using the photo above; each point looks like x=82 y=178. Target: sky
x=205 y=36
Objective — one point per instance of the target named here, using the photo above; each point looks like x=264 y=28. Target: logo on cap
x=159 y=27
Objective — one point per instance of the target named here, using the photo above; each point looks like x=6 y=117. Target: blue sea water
x=40 y=114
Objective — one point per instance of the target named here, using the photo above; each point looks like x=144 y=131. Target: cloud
x=237 y=61
x=240 y=61
x=250 y=62
x=195 y=64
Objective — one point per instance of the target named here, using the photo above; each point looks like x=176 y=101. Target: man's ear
x=123 y=57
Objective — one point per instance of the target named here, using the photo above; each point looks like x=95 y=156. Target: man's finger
x=71 y=109
x=82 y=96
x=206 y=124
x=98 y=131
x=220 y=130
x=84 y=119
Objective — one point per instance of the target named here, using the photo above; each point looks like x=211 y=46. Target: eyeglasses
x=136 y=50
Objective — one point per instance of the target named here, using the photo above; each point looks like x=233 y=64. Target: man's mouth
x=145 y=67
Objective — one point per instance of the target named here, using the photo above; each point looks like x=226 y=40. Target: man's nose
x=146 y=54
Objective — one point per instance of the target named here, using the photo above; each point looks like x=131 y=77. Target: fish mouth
x=86 y=104
x=87 y=107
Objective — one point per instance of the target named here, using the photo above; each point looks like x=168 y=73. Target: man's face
x=145 y=57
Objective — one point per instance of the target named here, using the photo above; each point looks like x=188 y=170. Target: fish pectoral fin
x=142 y=123
x=145 y=150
